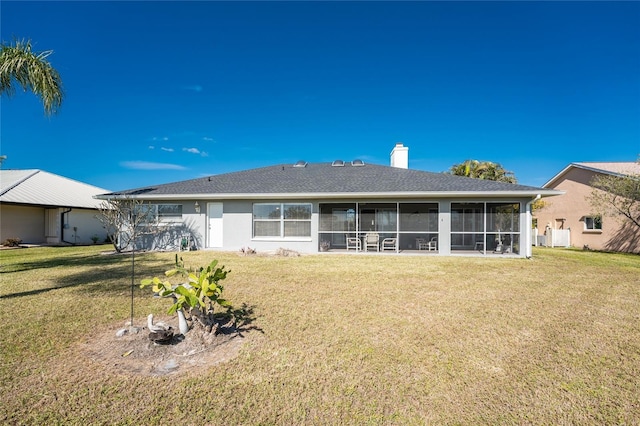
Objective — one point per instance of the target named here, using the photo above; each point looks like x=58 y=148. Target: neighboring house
x=43 y=208
x=312 y=207
x=573 y=215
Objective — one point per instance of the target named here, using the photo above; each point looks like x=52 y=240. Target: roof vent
x=357 y=163
x=338 y=163
x=300 y=163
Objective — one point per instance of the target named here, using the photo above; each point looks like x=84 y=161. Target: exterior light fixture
x=197 y=207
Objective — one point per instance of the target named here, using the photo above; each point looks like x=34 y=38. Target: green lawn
x=336 y=339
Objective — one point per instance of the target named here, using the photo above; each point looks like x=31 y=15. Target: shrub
x=197 y=296
x=12 y=242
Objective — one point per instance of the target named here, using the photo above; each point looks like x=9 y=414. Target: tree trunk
x=183 y=326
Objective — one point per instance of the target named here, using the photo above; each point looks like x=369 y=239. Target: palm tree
x=32 y=71
x=483 y=170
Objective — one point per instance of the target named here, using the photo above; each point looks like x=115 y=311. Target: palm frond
x=19 y=65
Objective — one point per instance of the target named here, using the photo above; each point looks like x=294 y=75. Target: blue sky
x=158 y=92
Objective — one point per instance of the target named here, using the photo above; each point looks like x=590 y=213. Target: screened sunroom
x=477 y=227
x=407 y=224
x=485 y=227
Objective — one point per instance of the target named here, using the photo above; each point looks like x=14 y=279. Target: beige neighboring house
x=571 y=213
x=43 y=208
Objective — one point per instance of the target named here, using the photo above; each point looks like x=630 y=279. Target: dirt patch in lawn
x=135 y=353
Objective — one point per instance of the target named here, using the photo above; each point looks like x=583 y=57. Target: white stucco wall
x=39 y=225
x=238 y=230
x=238 y=225
x=26 y=223
x=86 y=226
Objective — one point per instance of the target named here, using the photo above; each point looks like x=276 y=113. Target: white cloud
x=195 y=151
x=146 y=165
x=152 y=147
x=194 y=88
x=208 y=139
x=167 y=149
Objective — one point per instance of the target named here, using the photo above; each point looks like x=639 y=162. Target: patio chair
x=433 y=244
x=422 y=244
x=353 y=243
x=390 y=244
x=371 y=240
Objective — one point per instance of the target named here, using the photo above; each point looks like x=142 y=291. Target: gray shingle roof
x=323 y=179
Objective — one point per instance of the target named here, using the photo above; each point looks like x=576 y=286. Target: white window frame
x=155 y=216
x=593 y=220
x=281 y=220
x=168 y=217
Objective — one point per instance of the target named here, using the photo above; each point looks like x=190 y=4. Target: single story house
x=38 y=207
x=572 y=214
x=312 y=207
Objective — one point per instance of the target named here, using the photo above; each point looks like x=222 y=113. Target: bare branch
x=126 y=220
x=617 y=196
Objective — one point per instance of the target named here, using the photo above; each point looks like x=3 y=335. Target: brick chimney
x=400 y=156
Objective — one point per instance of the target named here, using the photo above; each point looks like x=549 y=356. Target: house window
x=281 y=220
x=169 y=212
x=147 y=211
x=593 y=223
x=160 y=212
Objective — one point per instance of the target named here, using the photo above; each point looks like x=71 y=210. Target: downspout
x=528 y=252
x=62 y=227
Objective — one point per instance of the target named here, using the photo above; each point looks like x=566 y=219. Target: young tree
x=31 y=71
x=196 y=297
x=483 y=170
x=127 y=220
x=617 y=195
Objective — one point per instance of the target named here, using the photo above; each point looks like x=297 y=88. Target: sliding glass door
x=336 y=222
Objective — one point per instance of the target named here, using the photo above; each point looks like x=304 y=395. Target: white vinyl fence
x=552 y=238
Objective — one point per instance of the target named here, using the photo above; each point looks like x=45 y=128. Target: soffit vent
x=300 y=163
x=357 y=163
x=338 y=163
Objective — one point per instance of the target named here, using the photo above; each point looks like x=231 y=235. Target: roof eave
x=583 y=167
x=47 y=206
x=334 y=195
x=557 y=176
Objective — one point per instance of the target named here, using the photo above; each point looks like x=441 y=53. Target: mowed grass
x=336 y=339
